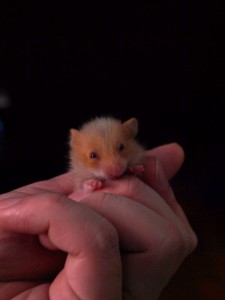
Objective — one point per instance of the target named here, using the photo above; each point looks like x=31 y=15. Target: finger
x=89 y=239
x=160 y=165
x=160 y=168
x=62 y=184
x=21 y=254
x=171 y=157
x=133 y=188
x=155 y=177
x=120 y=210
x=146 y=238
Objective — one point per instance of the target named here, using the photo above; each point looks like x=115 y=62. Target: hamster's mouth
x=116 y=177
x=110 y=174
x=103 y=179
x=111 y=177
x=137 y=169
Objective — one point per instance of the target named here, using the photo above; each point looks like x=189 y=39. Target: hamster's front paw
x=91 y=185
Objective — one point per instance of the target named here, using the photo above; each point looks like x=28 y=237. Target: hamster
x=104 y=149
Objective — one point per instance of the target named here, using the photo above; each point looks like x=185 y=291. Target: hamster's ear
x=75 y=136
x=130 y=128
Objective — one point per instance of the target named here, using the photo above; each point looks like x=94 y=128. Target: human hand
x=44 y=234
x=155 y=235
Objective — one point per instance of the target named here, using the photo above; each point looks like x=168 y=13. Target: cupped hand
x=124 y=242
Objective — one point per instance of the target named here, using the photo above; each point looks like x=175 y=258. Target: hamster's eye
x=121 y=147
x=93 y=155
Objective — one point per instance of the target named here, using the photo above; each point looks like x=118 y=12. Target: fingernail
x=6 y=203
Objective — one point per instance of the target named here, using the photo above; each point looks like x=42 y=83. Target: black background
x=62 y=62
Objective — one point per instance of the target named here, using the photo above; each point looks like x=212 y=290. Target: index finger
x=62 y=184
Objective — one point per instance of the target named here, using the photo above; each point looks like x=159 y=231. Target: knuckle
x=106 y=239
x=179 y=241
x=132 y=186
x=51 y=199
x=106 y=236
x=174 y=241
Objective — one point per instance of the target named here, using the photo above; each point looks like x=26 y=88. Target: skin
x=123 y=242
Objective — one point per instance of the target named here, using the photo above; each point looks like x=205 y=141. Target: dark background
x=62 y=62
